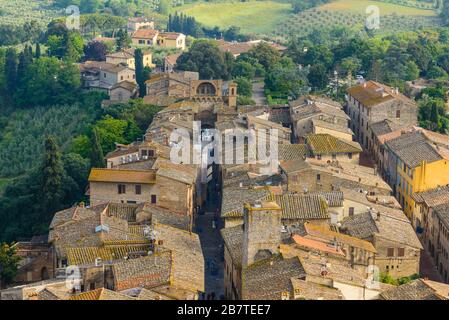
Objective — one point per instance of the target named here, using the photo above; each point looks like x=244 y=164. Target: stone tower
x=232 y=95
x=261 y=231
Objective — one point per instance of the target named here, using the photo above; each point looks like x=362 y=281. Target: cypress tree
x=138 y=55
x=97 y=157
x=38 y=51
x=52 y=172
x=11 y=70
x=434 y=116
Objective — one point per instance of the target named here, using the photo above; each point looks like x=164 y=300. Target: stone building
x=169 y=186
x=127 y=57
x=253 y=245
x=186 y=85
x=398 y=249
x=432 y=205
x=122 y=92
x=371 y=102
x=419 y=289
x=311 y=114
x=328 y=148
x=310 y=175
x=415 y=164
x=138 y=23
x=100 y=75
x=153 y=38
x=36 y=263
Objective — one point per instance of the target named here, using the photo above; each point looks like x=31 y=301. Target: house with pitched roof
x=167 y=185
x=328 y=148
x=101 y=75
x=311 y=114
x=415 y=164
x=371 y=102
x=432 y=207
x=419 y=289
x=127 y=57
x=398 y=248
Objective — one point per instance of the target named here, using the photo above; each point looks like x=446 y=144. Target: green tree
x=9 y=264
x=89 y=6
x=244 y=69
x=244 y=86
x=38 y=53
x=95 y=51
x=97 y=156
x=205 y=57
x=264 y=54
x=52 y=171
x=50 y=80
x=123 y=40
x=111 y=131
x=11 y=70
x=318 y=77
x=140 y=77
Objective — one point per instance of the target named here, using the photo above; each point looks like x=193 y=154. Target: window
x=350 y=155
x=401 y=252
x=294 y=178
x=153 y=198
x=318 y=156
x=121 y=189
x=92 y=286
x=334 y=156
x=318 y=177
x=138 y=189
x=398 y=114
x=390 y=252
x=351 y=211
x=151 y=153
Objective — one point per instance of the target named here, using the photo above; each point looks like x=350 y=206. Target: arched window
x=206 y=89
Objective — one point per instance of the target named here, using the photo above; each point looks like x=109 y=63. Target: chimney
x=261 y=231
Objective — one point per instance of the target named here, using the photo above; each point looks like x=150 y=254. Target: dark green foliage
x=205 y=58
x=123 y=40
x=140 y=77
x=97 y=156
x=318 y=77
x=11 y=70
x=51 y=177
x=184 y=24
x=50 y=80
x=95 y=51
x=9 y=264
x=244 y=86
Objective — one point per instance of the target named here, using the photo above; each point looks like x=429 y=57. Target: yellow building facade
x=424 y=177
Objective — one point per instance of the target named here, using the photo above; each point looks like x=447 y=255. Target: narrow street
x=258 y=92
x=427 y=268
x=212 y=244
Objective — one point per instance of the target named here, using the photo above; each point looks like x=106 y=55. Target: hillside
x=277 y=20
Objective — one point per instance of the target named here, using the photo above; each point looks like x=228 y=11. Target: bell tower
x=232 y=95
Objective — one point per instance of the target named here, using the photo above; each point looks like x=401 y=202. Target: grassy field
x=252 y=17
x=359 y=6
